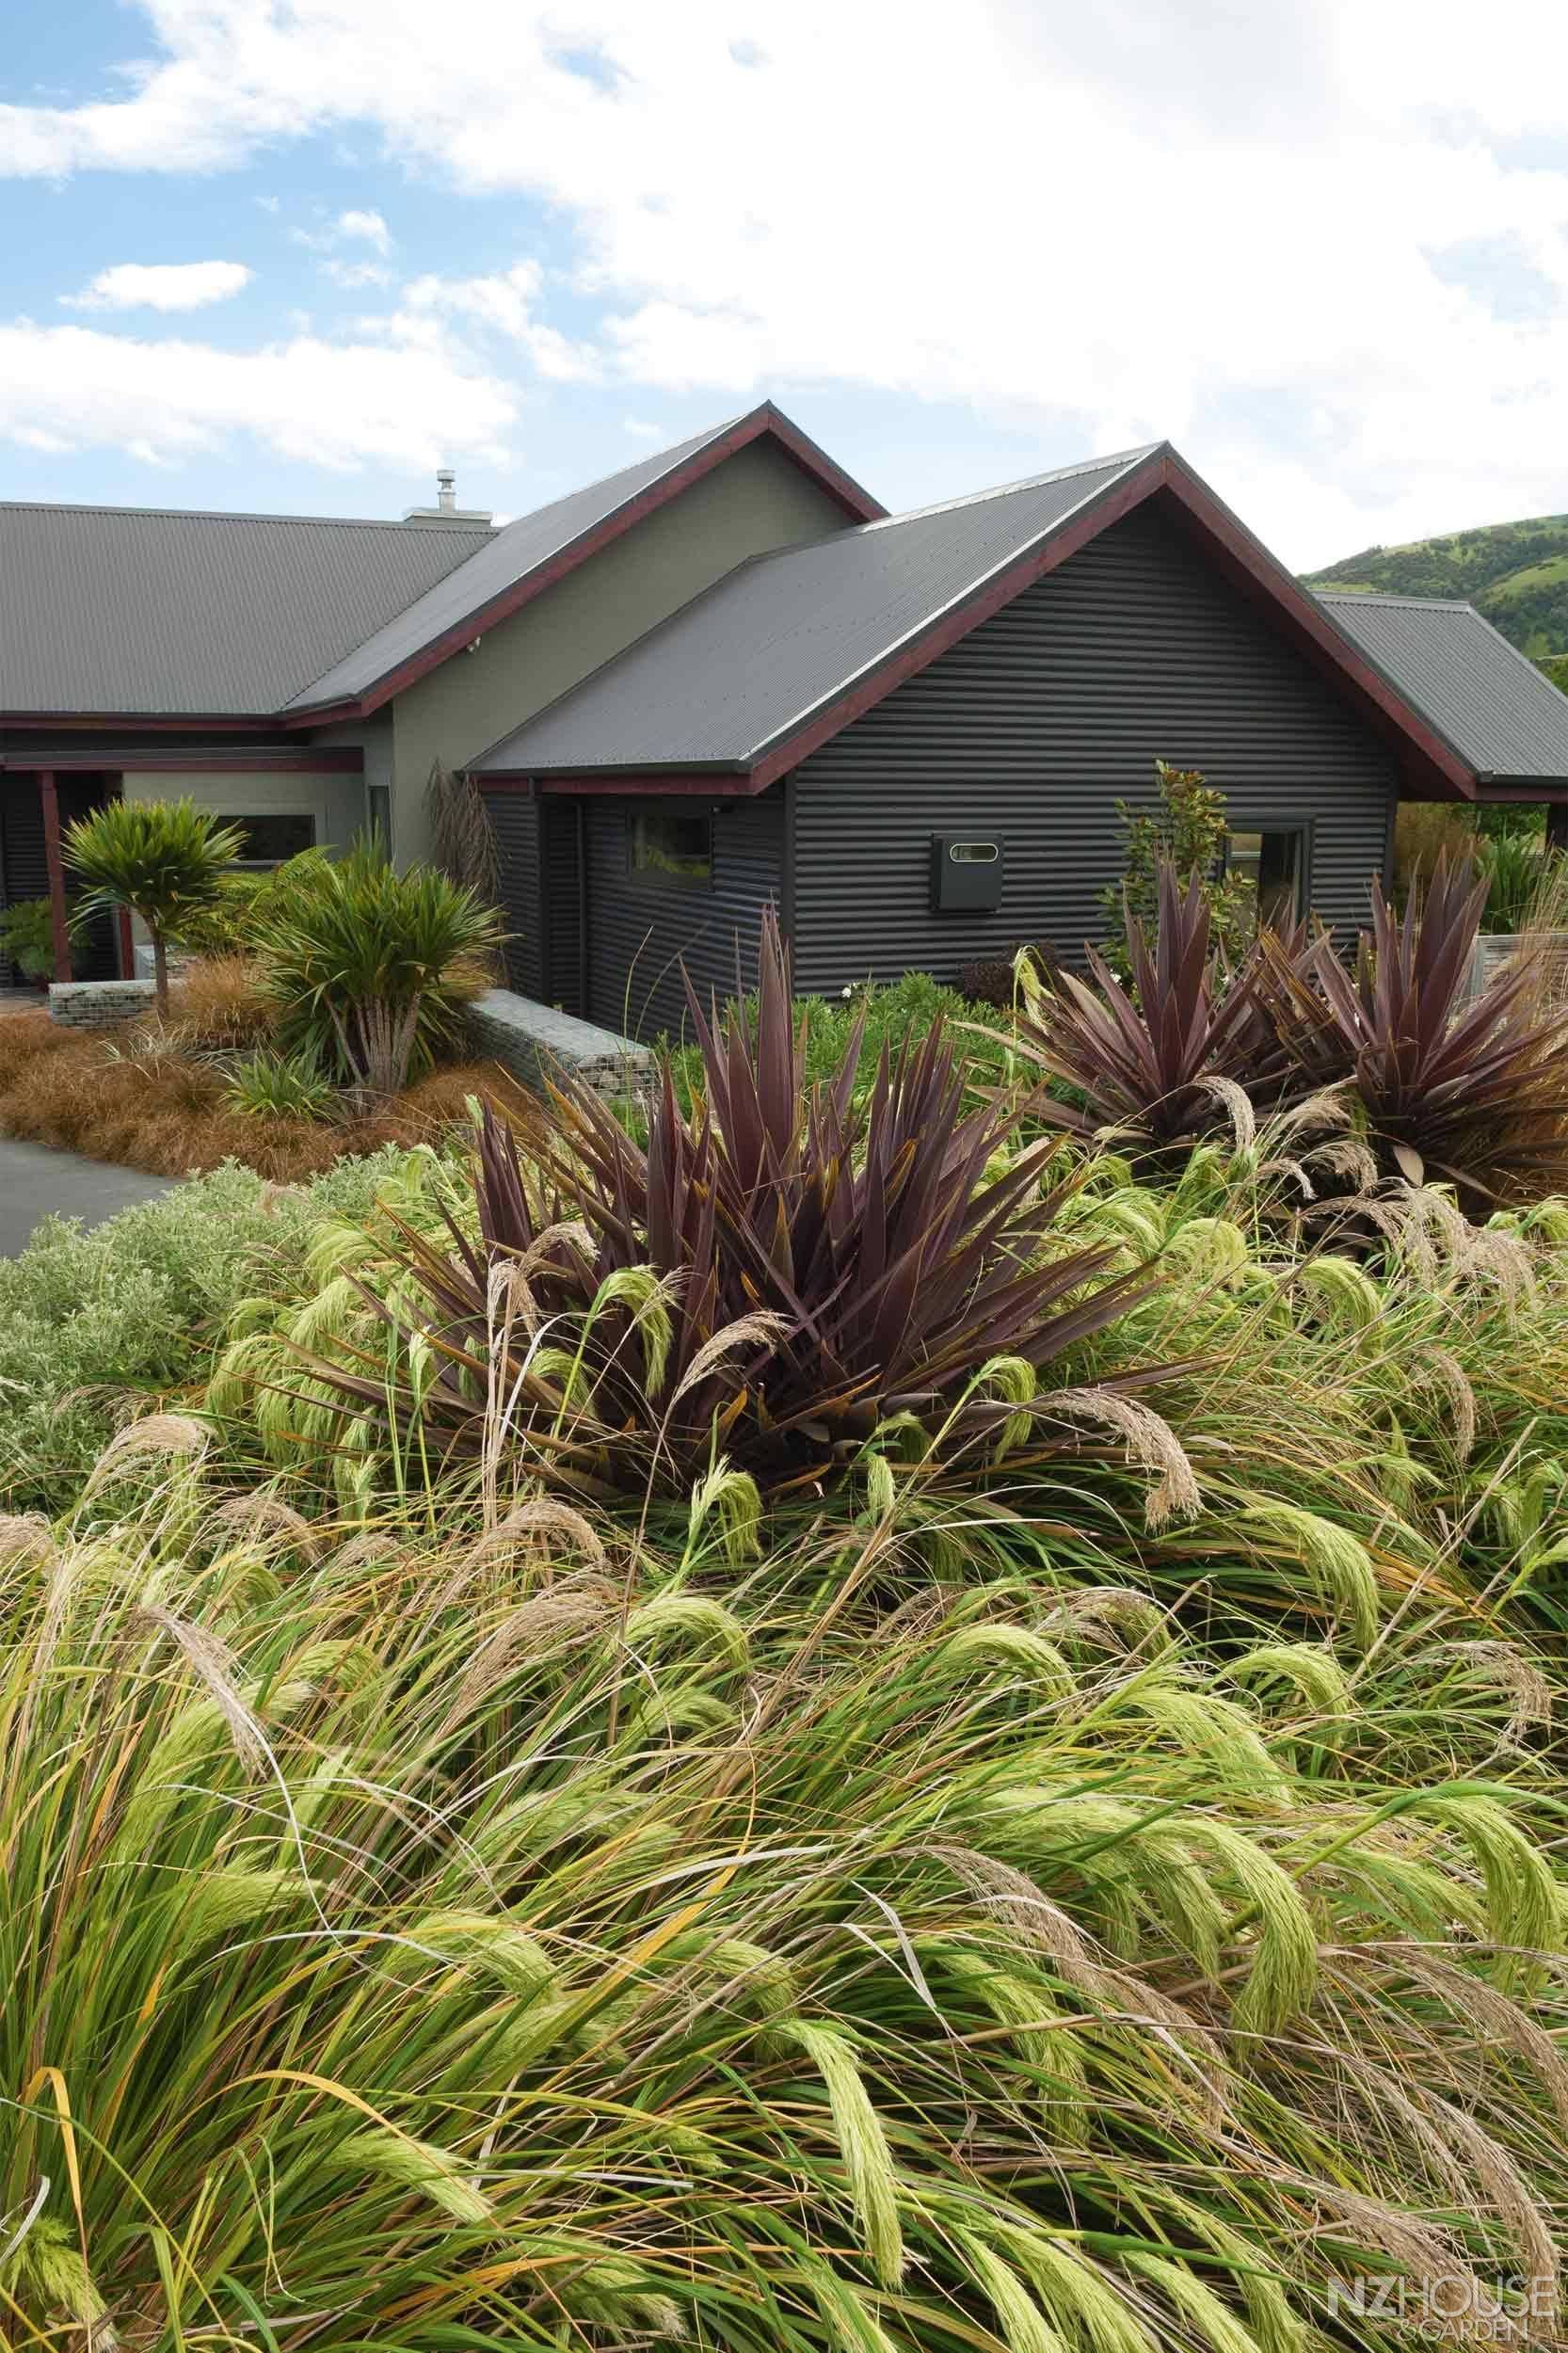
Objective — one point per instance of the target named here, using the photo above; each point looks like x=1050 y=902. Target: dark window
x=378 y=800
x=268 y=840
x=670 y=846
x=1273 y=860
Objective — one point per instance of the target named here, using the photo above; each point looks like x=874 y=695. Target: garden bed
x=137 y=1098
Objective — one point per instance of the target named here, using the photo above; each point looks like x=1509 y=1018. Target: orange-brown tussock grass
x=135 y=1099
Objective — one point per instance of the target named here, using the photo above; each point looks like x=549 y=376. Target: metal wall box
x=966 y=871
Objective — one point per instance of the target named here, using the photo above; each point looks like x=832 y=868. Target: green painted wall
x=336 y=802
x=755 y=500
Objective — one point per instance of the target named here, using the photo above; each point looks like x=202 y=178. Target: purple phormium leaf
x=890 y=1264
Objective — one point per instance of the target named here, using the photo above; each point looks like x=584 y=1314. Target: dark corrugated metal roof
x=1505 y=720
x=132 y=609
x=785 y=632
x=521 y=547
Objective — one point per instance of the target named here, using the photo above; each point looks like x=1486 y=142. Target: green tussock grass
x=460 y=1939
x=1095 y=1889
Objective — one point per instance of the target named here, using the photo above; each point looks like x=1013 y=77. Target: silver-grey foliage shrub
x=92 y=1321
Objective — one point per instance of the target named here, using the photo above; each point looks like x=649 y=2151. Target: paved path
x=35 y=1181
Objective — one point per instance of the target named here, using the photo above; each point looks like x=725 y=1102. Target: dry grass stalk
x=1150 y=1441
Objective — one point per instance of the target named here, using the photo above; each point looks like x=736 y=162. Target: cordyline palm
x=367 y=963
x=1475 y=1096
x=1162 y=1063
x=770 y=1279
x=165 y=860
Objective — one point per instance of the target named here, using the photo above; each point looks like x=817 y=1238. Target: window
x=670 y=846
x=1274 y=859
x=378 y=805
x=268 y=840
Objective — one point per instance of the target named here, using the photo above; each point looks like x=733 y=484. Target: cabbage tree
x=369 y=966
x=165 y=860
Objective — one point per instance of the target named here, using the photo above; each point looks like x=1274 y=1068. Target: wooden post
x=127 y=947
x=51 y=800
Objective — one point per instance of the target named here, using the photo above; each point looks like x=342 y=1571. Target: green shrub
x=92 y=1321
x=165 y=860
x=225 y=925
x=878 y=1016
x=1515 y=866
x=27 y=938
x=369 y=966
x=280 y=1087
x=1188 y=830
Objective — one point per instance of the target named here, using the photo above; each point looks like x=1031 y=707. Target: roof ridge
x=1393 y=595
x=1025 y=482
x=235 y=515
x=580 y=490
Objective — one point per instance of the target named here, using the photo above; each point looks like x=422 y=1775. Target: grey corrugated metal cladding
x=1032 y=726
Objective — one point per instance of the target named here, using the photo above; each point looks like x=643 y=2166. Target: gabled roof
x=1507 y=722
x=774 y=658
x=539 y=549
x=127 y=612
x=131 y=610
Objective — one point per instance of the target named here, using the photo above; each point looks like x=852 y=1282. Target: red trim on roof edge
x=1427 y=758
x=152 y=720
x=329 y=760
x=858 y=504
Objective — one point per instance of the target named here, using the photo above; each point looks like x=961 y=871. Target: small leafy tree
x=165 y=860
x=368 y=966
x=1186 y=831
x=27 y=938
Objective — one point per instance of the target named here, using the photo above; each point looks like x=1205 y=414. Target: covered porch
x=36 y=807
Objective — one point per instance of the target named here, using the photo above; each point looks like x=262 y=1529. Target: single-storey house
x=725 y=676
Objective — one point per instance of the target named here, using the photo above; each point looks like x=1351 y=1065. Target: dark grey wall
x=1034 y=727
x=515 y=817
x=640 y=932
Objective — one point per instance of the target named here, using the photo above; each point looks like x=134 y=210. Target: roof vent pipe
x=446 y=509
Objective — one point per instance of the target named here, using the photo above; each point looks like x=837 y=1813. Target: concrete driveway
x=37 y=1182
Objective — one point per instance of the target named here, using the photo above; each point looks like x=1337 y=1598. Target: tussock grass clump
x=146 y=1102
x=486 y=1936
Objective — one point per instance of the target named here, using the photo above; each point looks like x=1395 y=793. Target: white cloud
x=161 y=286
x=500 y=304
x=1247 y=229
x=369 y=227
x=317 y=402
x=350 y=275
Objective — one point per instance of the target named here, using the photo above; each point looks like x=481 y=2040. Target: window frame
x=262 y=816
x=1239 y=822
x=665 y=878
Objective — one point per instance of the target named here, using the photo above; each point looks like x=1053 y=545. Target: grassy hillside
x=1515 y=573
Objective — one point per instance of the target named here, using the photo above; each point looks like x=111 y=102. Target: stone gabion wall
x=530 y=1040
x=99 y=1004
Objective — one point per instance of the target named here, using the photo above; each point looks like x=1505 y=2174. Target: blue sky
x=291 y=254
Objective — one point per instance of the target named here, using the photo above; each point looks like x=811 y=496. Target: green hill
x=1515 y=573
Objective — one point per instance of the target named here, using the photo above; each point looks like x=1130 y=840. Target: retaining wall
x=533 y=1041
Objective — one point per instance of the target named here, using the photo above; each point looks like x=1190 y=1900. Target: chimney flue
x=446 y=509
